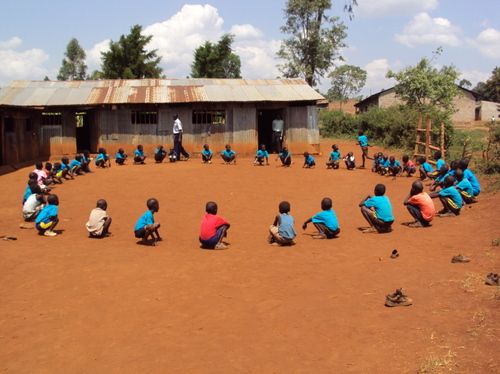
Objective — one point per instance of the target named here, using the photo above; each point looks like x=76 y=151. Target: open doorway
x=82 y=131
x=265 y=126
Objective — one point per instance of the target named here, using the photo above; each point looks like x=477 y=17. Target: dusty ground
x=72 y=304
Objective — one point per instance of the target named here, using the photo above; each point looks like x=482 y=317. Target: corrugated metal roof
x=154 y=91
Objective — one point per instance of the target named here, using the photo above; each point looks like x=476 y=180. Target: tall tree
x=315 y=39
x=423 y=86
x=464 y=83
x=216 y=60
x=128 y=58
x=491 y=89
x=73 y=65
x=347 y=81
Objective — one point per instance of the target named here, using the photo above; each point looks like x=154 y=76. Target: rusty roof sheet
x=154 y=91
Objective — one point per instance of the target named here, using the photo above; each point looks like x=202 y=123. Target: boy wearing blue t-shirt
x=325 y=222
x=65 y=168
x=86 y=161
x=228 y=155
x=377 y=211
x=160 y=154
x=464 y=187
x=120 y=157
x=309 y=161
x=464 y=165
x=206 y=155
x=285 y=157
x=334 y=160
x=102 y=160
x=438 y=158
x=146 y=225
x=363 y=143
x=282 y=231
x=426 y=169
x=139 y=156
x=260 y=155
x=450 y=198
x=76 y=165
x=393 y=167
x=48 y=218
x=172 y=155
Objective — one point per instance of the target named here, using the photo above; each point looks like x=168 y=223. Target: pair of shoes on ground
x=460 y=259
x=319 y=236
x=492 y=279
x=416 y=224
x=397 y=299
x=49 y=233
x=447 y=214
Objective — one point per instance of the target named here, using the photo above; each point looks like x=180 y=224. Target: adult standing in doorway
x=178 y=138
x=277 y=134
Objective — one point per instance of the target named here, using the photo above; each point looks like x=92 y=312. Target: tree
x=423 y=86
x=464 y=83
x=216 y=60
x=128 y=58
x=73 y=65
x=347 y=81
x=315 y=39
x=491 y=89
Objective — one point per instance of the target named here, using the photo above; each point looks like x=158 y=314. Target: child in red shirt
x=213 y=228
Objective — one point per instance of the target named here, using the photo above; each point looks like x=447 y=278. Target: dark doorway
x=265 y=126
x=82 y=120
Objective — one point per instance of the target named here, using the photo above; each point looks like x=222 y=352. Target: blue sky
x=384 y=34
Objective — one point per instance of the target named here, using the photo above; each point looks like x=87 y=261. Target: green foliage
x=334 y=123
x=491 y=89
x=490 y=163
x=128 y=58
x=73 y=65
x=423 y=86
x=216 y=60
x=314 y=42
x=464 y=83
x=347 y=81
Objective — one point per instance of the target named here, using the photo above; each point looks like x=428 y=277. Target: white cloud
x=15 y=42
x=21 y=64
x=94 y=55
x=391 y=8
x=488 y=43
x=423 y=29
x=376 y=76
x=246 y=32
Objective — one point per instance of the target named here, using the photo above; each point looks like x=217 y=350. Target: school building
x=43 y=119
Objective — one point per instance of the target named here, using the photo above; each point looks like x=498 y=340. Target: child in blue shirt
x=363 y=143
x=393 y=167
x=66 y=169
x=102 y=160
x=438 y=158
x=86 y=161
x=32 y=181
x=139 y=156
x=426 y=169
x=309 y=161
x=450 y=198
x=464 y=165
x=464 y=187
x=121 y=157
x=325 y=222
x=377 y=162
x=160 y=154
x=48 y=218
x=76 y=165
x=228 y=155
x=146 y=225
x=334 y=160
x=172 y=155
x=260 y=155
x=282 y=231
x=285 y=157
x=439 y=181
x=377 y=211
x=206 y=155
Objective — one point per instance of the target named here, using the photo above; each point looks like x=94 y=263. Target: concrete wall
x=488 y=110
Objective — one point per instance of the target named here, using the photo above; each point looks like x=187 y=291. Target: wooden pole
x=428 y=138
x=442 y=139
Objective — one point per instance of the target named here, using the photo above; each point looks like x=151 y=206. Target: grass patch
x=437 y=364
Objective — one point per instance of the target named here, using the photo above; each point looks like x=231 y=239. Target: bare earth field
x=71 y=304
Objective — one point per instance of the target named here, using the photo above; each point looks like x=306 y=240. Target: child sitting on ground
x=393 y=167
x=282 y=231
x=32 y=181
x=76 y=165
x=139 y=156
x=420 y=205
x=228 y=155
x=146 y=225
x=86 y=161
x=334 y=159
x=380 y=217
x=464 y=187
x=102 y=160
x=350 y=161
x=172 y=155
x=33 y=204
x=408 y=166
x=377 y=162
x=439 y=181
x=213 y=228
x=325 y=222
x=260 y=155
x=160 y=154
x=66 y=169
x=99 y=221
x=206 y=154
x=464 y=166
x=438 y=158
x=309 y=161
x=48 y=218
x=285 y=157
x=450 y=198
x=48 y=170
x=42 y=178
x=121 y=157
x=426 y=170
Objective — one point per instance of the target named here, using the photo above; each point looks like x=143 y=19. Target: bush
x=334 y=123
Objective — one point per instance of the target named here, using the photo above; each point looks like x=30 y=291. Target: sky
x=383 y=35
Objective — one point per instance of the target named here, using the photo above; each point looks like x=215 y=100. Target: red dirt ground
x=72 y=304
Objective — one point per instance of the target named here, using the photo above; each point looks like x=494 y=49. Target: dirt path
x=71 y=304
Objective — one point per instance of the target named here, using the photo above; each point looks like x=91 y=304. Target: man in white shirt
x=178 y=139
x=277 y=134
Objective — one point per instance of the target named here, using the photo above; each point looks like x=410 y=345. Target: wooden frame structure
x=427 y=142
